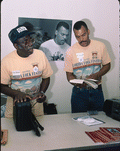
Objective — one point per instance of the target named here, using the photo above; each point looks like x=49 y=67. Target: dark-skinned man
x=25 y=72
x=86 y=59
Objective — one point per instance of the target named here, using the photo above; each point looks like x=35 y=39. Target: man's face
x=61 y=35
x=82 y=36
x=38 y=39
x=25 y=46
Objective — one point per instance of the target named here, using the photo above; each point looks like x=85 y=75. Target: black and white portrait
x=51 y=36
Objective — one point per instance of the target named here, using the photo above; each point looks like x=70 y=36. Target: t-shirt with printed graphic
x=84 y=61
x=25 y=75
x=54 y=51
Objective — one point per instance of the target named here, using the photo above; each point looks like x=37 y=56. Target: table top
x=60 y=132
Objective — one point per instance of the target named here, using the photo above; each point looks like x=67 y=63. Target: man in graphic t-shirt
x=86 y=59
x=25 y=72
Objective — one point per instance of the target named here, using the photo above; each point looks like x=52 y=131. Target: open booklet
x=90 y=82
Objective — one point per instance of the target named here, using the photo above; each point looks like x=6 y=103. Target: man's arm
x=70 y=76
x=15 y=94
x=41 y=97
x=95 y=76
x=44 y=84
x=99 y=74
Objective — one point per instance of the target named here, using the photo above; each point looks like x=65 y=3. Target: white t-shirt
x=54 y=51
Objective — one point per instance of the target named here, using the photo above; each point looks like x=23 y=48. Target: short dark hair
x=79 y=24
x=64 y=24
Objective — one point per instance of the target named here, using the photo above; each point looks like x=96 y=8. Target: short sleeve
x=47 y=70
x=105 y=56
x=68 y=62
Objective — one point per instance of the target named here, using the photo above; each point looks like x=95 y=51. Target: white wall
x=102 y=17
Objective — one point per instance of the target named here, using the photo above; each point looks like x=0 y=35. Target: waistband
x=88 y=87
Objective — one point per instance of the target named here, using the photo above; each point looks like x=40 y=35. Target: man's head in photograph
x=61 y=33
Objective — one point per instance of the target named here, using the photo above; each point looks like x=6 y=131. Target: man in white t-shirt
x=56 y=48
x=25 y=72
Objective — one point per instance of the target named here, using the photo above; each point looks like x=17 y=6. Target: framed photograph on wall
x=52 y=36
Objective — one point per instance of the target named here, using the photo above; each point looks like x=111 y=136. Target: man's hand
x=93 y=76
x=17 y=96
x=21 y=97
x=99 y=74
x=41 y=97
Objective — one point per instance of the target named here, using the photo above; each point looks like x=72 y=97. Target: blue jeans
x=83 y=100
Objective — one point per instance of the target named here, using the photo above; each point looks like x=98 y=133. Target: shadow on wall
x=109 y=48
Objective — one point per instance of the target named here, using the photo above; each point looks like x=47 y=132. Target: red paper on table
x=105 y=134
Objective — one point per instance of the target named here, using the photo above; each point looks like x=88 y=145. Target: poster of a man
x=55 y=48
x=51 y=36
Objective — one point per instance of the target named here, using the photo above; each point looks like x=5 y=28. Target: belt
x=88 y=87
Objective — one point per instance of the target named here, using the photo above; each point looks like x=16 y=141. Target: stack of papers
x=88 y=120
